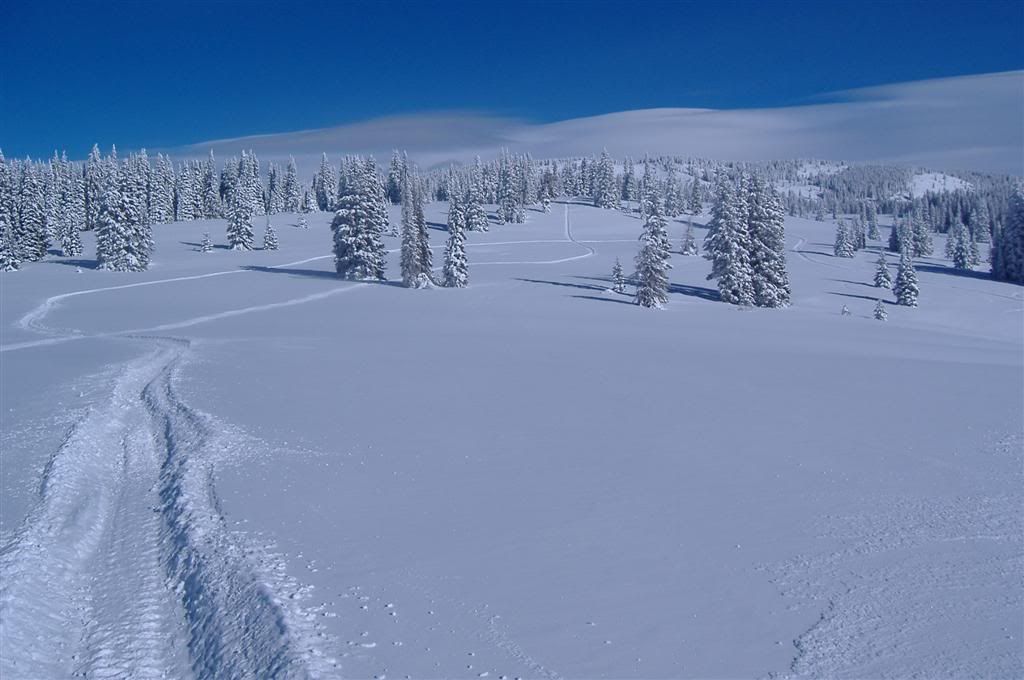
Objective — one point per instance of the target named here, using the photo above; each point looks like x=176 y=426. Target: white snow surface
x=937 y=183
x=237 y=465
x=962 y=123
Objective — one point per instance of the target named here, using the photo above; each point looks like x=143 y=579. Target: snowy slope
x=261 y=467
x=936 y=183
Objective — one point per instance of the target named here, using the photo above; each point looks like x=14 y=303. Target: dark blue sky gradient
x=165 y=73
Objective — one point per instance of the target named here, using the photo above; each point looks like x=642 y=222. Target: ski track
x=31 y=321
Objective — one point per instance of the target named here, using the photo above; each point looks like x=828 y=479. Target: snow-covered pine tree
x=211 y=188
x=185 y=200
x=975 y=255
x=767 y=233
x=882 y=277
x=981 y=222
x=275 y=190
x=291 y=188
x=325 y=185
x=161 y=193
x=30 y=228
x=269 y=237
x=207 y=244
x=605 y=188
x=921 y=235
x=473 y=209
x=416 y=257
x=689 y=244
x=844 y=245
x=880 y=313
x=456 y=270
x=905 y=286
x=872 y=219
x=123 y=241
x=727 y=245
x=397 y=173
x=895 y=236
x=652 y=262
x=694 y=198
x=358 y=249
x=959 y=246
x=95 y=186
x=618 y=278
x=302 y=223
x=1008 y=242
x=240 y=231
x=9 y=260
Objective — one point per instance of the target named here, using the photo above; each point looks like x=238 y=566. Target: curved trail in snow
x=125 y=567
x=805 y=256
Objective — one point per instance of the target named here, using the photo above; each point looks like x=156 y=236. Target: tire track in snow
x=125 y=567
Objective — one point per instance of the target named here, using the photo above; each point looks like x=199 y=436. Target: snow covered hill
x=234 y=464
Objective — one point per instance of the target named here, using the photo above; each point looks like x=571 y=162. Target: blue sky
x=162 y=74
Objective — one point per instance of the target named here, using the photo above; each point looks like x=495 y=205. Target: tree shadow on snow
x=953 y=271
x=870 y=298
x=621 y=301
x=316 y=274
x=84 y=264
x=198 y=246
x=311 y=273
x=581 y=286
x=437 y=226
x=855 y=283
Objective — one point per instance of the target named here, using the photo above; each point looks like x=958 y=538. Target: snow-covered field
x=235 y=464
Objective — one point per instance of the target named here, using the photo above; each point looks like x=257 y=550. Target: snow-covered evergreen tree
x=843 y=245
x=1008 y=242
x=123 y=240
x=210 y=188
x=358 y=249
x=882 y=277
x=652 y=262
x=921 y=236
x=694 y=198
x=325 y=185
x=880 y=313
x=959 y=246
x=473 y=209
x=275 y=190
x=269 y=237
x=456 y=270
x=161 y=192
x=618 y=278
x=290 y=188
x=9 y=260
x=95 y=186
x=240 y=211
x=605 y=189
x=207 y=244
x=905 y=286
x=416 y=256
x=727 y=245
x=767 y=236
x=30 y=228
x=689 y=244
x=397 y=174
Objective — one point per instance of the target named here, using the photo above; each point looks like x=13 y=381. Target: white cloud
x=963 y=123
